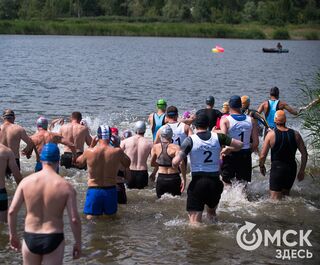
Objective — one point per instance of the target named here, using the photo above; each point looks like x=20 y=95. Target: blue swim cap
x=235 y=102
x=42 y=122
x=104 y=132
x=50 y=153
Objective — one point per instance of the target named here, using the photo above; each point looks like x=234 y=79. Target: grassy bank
x=99 y=27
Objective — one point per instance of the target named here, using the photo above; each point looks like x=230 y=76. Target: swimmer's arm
x=157 y=139
x=231 y=145
x=125 y=160
x=75 y=222
x=88 y=138
x=304 y=155
x=261 y=108
x=14 y=168
x=81 y=160
x=254 y=135
x=290 y=109
x=150 y=119
x=27 y=151
x=224 y=125
x=188 y=130
x=264 y=153
x=153 y=157
x=185 y=149
x=15 y=206
x=183 y=167
x=54 y=122
x=57 y=138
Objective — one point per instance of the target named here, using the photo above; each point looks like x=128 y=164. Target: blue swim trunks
x=101 y=200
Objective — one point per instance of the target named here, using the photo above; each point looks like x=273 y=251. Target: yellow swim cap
x=280 y=117
x=245 y=101
x=225 y=108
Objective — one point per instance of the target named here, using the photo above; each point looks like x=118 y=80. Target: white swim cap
x=166 y=132
x=104 y=132
x=140 y=127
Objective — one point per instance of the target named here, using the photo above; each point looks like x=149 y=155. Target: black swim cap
x=210 y=101
x=235 y=102
x=201 y=121
x=274 y=91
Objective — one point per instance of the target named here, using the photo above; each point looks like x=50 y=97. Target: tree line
x=272 y=12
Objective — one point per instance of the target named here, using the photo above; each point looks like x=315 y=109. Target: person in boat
x=284 y=143
x=279 y=46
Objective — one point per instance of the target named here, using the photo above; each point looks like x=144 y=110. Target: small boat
x=275 y=50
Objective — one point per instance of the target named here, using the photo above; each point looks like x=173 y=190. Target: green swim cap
x=161 y=102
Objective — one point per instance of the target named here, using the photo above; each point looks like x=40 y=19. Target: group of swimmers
x=219 y=146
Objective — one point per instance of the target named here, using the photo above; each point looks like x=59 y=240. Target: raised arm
x=304 y=156
x=290 y=109
x=15 y=206
x=75 y=222
x=14 y=168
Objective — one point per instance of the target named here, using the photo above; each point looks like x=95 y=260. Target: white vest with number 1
x=240 y=130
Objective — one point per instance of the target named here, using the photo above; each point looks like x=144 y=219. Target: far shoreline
x=96 y=27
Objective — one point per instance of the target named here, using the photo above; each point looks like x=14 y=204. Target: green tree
x=201 y=10
x=9 y=9
x=249 y=11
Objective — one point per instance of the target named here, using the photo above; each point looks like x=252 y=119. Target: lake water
x=117 y=80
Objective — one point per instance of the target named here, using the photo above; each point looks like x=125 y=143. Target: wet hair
x=274 y=91
x=8 y=114
x=76 y=116
x=201 y=121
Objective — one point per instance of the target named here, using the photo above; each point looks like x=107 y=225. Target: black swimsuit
x=42 y=244
x=164 y=160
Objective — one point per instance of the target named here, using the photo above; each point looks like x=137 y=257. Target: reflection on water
x=117 y=81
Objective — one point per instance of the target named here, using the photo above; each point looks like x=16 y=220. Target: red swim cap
x=114 y=131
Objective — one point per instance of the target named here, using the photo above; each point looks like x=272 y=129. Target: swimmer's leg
x=195 y=218
x=28 y=257
x=286 y=192
x=275 y=195
x=211 y=214
x=55 y=257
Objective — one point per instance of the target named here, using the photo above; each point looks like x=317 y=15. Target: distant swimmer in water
x=169 y=180
x=284 y=143
x=11 y=136
x=269 y=107
x=138 y=148
x=156 y=120
x=7 y=160
x=103 y=163
x=245 y=129
x=279 y=46
x=204 y=149
x=43 y=136
x=78 y=135
x=45 y=195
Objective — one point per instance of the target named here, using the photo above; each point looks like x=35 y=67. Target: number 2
x=207 y=160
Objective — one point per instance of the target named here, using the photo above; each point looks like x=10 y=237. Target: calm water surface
x=117 y=80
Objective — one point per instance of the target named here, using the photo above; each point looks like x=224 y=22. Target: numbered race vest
x=205 y=155
x=240 y=128
x=178 y=132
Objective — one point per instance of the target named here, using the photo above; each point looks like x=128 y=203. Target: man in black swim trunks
x=11 y=136
x=204 y=149
x=6 y=160
x=212 y=114
x=46 y=195
x=284 y=143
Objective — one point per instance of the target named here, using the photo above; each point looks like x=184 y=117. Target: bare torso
x=42 y=137
x=11 y=135
x=103 y=164
x=45 y=194
x=76 y=134
x=138 y=149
